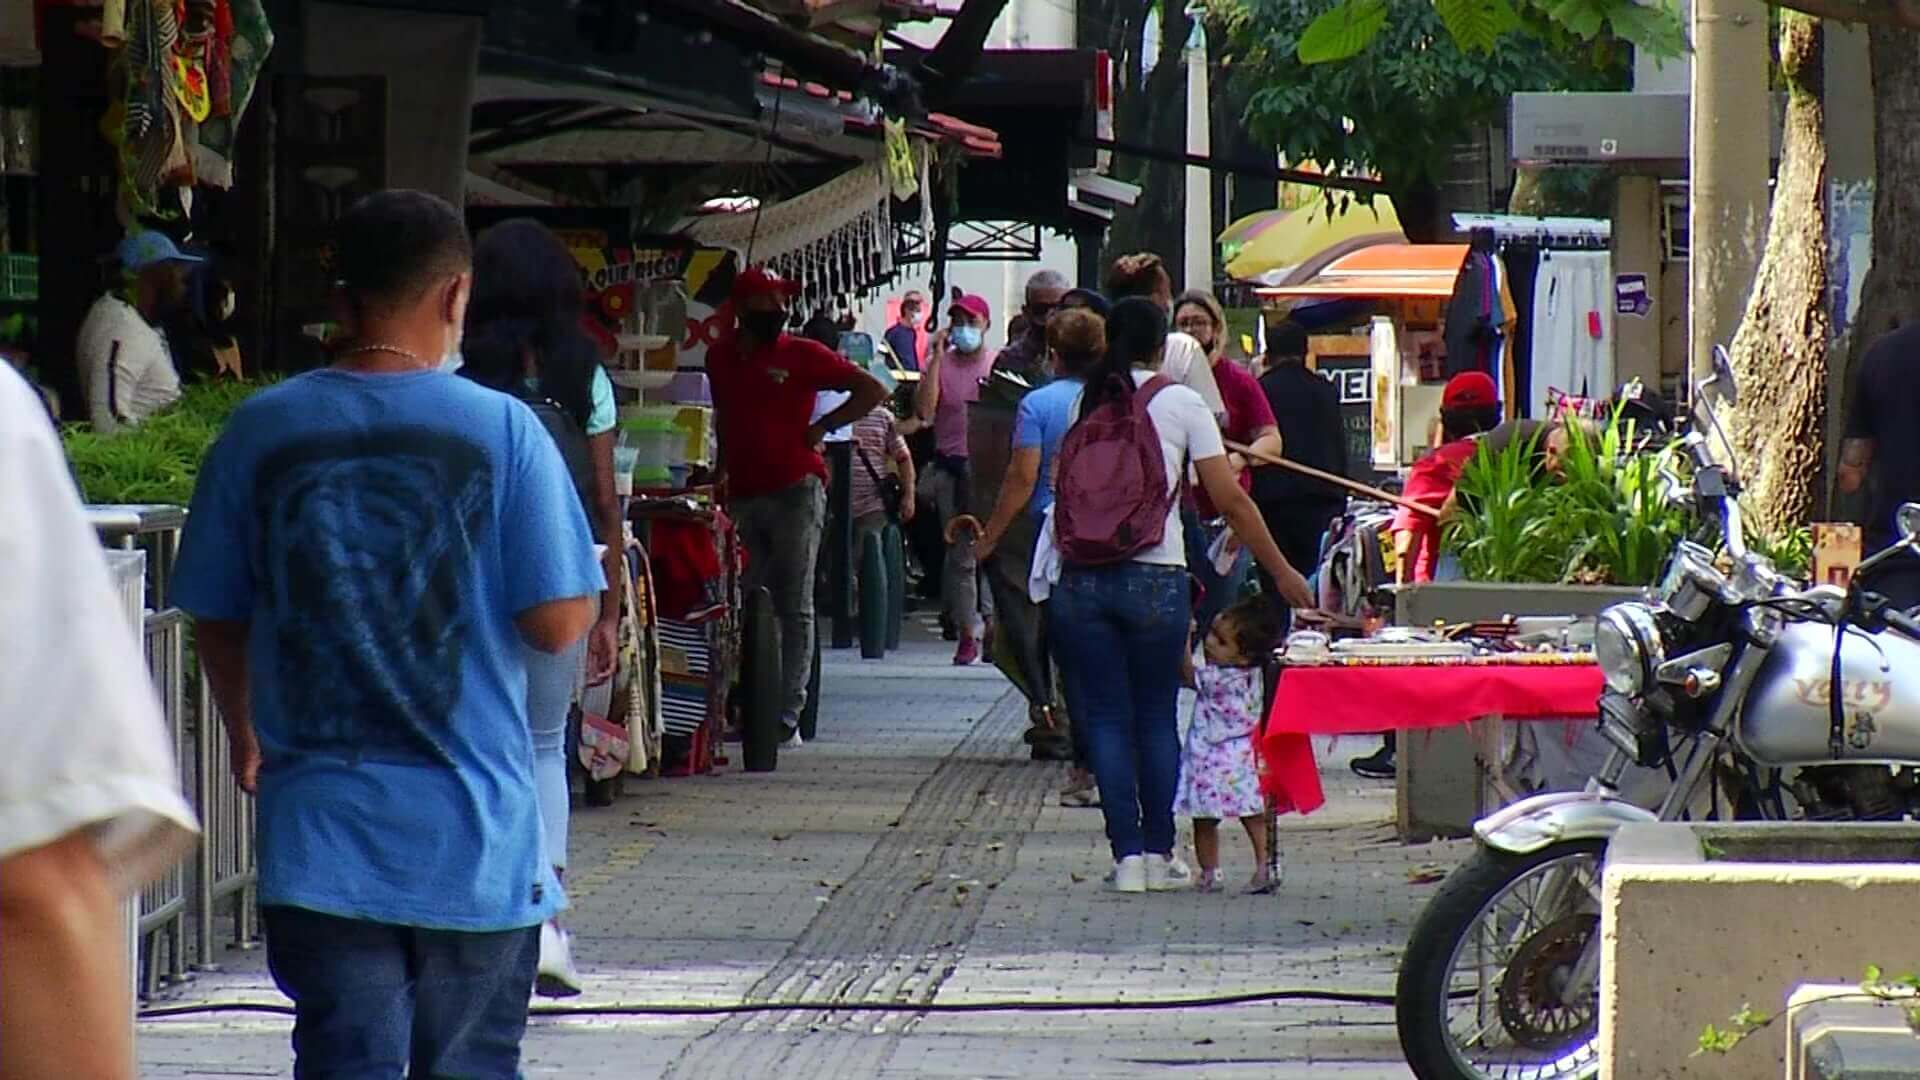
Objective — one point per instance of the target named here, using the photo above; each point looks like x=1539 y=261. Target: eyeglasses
x=1037 y=312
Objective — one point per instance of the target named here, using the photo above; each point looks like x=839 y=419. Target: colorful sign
x=1630 y=296
x=611 y=275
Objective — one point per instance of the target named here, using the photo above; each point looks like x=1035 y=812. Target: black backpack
x=572 y=442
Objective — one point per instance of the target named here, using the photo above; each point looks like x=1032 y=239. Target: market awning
x=1385 y=271
x=1267 y=247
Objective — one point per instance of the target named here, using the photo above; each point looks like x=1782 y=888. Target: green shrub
x=1606 y=521
x=158 y=461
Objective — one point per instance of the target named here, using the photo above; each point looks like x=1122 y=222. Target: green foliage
x=1411 y=91
x=1749 y=1021
x=1605 y=521
x=1791 y=554
x=158 y=461
x=1349 y=27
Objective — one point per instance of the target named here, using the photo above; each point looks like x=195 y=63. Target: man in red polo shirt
x=764 y=382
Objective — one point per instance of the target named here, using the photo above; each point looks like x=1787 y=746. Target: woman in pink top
x=957 y=362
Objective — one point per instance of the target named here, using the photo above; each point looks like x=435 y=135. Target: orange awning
x=1382 y=271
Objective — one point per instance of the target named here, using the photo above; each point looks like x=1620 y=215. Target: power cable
x=1212 y=1001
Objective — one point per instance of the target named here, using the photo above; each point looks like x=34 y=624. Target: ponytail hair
x=1136 y=335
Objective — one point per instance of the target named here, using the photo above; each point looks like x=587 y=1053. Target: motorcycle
x=1803 y=704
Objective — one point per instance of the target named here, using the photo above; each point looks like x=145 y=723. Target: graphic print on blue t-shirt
x=369 y=537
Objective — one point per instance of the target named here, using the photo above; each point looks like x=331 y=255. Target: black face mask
x=765 y=325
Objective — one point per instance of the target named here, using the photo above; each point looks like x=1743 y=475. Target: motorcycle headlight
x=1627 y=646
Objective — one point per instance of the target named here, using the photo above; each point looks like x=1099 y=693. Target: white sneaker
x=1129 y=875
x=793 y=741
x=1168 y=873
x=556 y=977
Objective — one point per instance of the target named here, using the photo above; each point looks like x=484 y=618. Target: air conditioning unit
x=1648 y=130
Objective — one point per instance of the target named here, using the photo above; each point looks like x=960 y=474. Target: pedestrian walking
x=765 y=383
x=1144 y=275
x=903 y=337
x=1026 y=351
x=1215 y=556
x=1077 y=339
x=371 y=548
x=524 y=337
x=883 y=487
x=958 y=360
x=1122 y=600
x=90 y=803
x=1219 y=779
x=1306 y=408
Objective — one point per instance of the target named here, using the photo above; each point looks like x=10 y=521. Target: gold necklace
x=391 y=350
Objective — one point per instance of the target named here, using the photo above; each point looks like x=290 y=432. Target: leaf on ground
x=1426 y=875
x=996 y=846
x=1343 y=31
x=1078 y=879
x=781 y=838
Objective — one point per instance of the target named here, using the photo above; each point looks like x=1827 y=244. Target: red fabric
x=759 y=281
x=684 y=561
x=1363 y=700
x=763 y=405
x=1469 y=389
x=1429 y=483
x=1248 y=414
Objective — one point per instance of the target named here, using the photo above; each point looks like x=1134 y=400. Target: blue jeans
x=1121 y=630
x=377 y=1002
x=551 y=680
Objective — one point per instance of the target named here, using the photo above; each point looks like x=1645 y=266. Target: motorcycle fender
x=1532 y=824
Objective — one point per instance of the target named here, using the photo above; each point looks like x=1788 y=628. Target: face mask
x=967 y=339
x=765 y=325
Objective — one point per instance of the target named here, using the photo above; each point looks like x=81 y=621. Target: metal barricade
x=163 y=903
x=225 y=866
x=223 y=869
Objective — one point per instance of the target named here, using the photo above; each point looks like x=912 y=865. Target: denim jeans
x=1121 y=630
x=551 y=681
x=782 y=533
x=378 y=1002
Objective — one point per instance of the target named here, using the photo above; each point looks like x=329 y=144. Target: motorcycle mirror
x=1908 y=519
x=1723 y=382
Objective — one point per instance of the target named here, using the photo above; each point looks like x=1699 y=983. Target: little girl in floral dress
x=1218 y=778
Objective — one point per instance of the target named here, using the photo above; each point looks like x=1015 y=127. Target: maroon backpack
x=1110 y=489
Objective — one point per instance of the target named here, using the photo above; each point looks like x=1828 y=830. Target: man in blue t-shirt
x=903 y=337
x=369 y=546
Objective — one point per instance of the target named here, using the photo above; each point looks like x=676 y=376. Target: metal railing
x=163 y=903
x=222 y=870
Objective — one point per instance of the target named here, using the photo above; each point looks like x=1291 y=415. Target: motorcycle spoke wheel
x=1509 y=1013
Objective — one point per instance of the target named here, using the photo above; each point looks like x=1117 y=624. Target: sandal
x=1208 y=881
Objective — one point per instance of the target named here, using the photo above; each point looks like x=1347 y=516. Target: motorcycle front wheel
x=1484 y=988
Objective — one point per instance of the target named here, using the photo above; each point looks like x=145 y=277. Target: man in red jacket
x=764 y=384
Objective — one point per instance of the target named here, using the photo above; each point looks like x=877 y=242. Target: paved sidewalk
x=912 y=854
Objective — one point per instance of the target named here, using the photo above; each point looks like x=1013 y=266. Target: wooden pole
x=1341 y=481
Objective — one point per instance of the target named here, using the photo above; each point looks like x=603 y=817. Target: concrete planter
x=1442 y=788
x=1701 y=920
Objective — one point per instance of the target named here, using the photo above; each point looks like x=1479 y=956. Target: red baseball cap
x=973 y=305
x=1469 y=390
x=759 y=281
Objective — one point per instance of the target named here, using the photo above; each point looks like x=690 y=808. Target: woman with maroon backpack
x=1122 y=605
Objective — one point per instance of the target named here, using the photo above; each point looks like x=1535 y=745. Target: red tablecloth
x=1357 y=700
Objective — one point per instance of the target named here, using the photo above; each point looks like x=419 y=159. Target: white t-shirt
x=1188 y=364
x=142 y=380
x=1187 y=433
x=85 y=742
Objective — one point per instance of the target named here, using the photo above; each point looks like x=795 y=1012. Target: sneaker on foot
x=967 y=653
x=1129 y=875
x=1080 y=798
x=1168 y=873
x=556 y=976
x=1375 y=766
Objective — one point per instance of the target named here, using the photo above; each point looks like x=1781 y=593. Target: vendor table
x=1430 y=696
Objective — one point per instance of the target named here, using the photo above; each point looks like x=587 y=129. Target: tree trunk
x=1780 y=350
x=1417 y=204
x=1151 y=111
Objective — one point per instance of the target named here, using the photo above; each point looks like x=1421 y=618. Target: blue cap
x=151 y=248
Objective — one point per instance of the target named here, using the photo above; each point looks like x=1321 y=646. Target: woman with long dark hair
x=524 y=337
x=1122 y=623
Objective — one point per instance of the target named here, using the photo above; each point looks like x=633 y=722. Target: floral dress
x=1218 y=778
